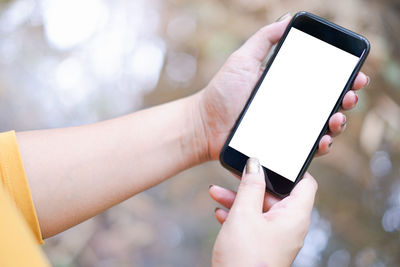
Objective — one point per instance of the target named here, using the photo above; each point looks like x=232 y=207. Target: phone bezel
x=326 y=31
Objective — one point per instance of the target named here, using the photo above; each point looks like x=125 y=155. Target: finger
x=258 y=45
x=221 y=215
x=350 y=100
x=337 y=124
x=223 y=196
x=250 y=195
x=361 y=81
x=269 y=201
x=303 y=195
x=325 y=145
x=226 y=197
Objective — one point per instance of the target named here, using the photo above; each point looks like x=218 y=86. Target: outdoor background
x=71 y=62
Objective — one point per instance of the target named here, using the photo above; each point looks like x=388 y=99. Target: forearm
x=75 y=173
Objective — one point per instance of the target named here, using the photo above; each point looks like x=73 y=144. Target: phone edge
x=334 y=110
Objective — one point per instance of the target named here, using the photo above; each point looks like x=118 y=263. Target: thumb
x=251 y=192
x=258 y=45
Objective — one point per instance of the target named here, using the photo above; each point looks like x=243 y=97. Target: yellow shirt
x=20 y=235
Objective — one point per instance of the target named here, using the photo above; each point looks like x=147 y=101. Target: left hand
x=221 y=102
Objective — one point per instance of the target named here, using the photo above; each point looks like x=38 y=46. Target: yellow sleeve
x=18 y=245
x=14 y=180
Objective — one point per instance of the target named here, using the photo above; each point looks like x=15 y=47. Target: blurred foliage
x=65 y=63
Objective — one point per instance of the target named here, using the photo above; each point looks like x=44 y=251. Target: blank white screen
x=293 y=103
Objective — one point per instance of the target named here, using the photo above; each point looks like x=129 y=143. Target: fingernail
x=368 y=80
x=216 y=209
x=344 y=121
x=252 y=166
x=356 y=96
x=330 y=144
x=211 y=185
x=283 y=17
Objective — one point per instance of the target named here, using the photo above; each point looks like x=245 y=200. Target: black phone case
x=237 y=170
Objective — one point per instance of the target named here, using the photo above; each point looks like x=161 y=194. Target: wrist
x=198 y=138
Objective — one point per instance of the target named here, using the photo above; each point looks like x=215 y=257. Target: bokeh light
x=70 y=62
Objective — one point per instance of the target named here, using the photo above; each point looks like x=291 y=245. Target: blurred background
x=71 y=62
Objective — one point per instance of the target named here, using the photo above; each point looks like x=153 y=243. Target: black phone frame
x=326 y=31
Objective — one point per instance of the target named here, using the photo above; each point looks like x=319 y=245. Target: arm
x=75 y=173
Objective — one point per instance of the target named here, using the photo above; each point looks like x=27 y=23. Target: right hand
x=251 y=237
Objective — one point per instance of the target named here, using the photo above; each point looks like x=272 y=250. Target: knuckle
x=238 y=212
x=236 y=56
x=265 y=30
x=253 y=182
x=313 y=183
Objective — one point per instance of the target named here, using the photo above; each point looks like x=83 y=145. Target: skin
x=251 y=237
x=75 y=173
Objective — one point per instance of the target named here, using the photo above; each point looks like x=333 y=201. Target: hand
x=250 y=237
x=224 y=98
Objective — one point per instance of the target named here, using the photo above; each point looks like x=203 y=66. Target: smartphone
x=314 y=64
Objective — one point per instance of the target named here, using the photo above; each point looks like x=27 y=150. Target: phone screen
x=293 y=103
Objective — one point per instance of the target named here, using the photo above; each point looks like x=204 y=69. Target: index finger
x=303 y=194
x=360 y=81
